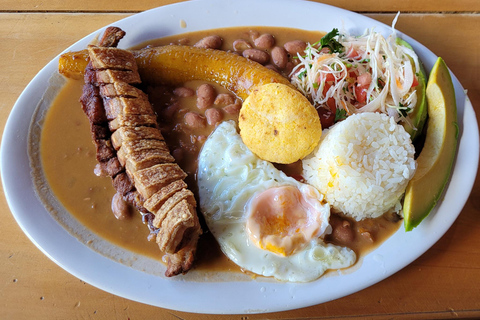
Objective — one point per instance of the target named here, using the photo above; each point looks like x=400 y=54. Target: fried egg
x=264 y=221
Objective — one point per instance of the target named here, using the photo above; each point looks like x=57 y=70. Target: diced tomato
x=361 y=87
x=364 y=79
x=329 y=77
x=361 y=93
x=326 y=88
x=332 y=105
x=325 y=76
x=352 y=53
x=415 y=82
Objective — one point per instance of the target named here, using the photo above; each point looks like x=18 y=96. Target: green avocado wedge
x=417 y=118
x=435 y=161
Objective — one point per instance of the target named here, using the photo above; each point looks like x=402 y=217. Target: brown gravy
x=68 y=159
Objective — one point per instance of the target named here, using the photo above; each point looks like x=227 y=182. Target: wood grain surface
x=141 y=5
x=442 y=284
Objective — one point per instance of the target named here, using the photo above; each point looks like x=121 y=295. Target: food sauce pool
x=68 y=160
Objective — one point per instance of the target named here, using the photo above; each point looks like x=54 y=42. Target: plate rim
x=287 y=293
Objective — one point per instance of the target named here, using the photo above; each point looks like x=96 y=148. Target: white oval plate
x=226 y=296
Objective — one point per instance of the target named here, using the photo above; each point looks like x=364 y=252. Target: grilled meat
x=131 y=150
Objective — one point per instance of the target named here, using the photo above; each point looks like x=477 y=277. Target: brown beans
x=289 y=67
x=295 y=46
x=265 y=41
x=367 y=236
x=210 y=42
x=271 y=67
x=195 y=120
x=256 y=55
x=241 y=45
x=224 y=99
x=205 y=96
x=183 y=92
x=254 y=34
x=177 y=153
x=214 y=116
x=168 y=112
x=233 y=108
x=120 y=208
x=279 y=57
x=342 y=231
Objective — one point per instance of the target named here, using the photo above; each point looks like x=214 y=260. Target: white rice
x=362 y=165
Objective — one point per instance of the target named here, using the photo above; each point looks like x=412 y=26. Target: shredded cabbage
x=371 y=74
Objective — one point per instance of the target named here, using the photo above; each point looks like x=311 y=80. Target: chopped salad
x=343 y=74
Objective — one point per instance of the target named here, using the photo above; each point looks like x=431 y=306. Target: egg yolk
x=284 y=219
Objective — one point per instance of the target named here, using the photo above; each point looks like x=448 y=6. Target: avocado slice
x=417 y=118
x=435 y=161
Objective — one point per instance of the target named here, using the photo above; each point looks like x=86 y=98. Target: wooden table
x=443 y=283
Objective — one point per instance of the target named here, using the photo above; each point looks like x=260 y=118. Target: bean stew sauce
x=187 y=114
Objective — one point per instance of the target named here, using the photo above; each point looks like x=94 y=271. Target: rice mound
x=362 y=165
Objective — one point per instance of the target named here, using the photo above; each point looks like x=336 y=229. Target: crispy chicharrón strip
x=132 y=150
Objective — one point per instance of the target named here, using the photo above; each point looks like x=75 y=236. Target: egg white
x=229 y=175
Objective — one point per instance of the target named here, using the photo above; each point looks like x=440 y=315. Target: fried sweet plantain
x=175 y=65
